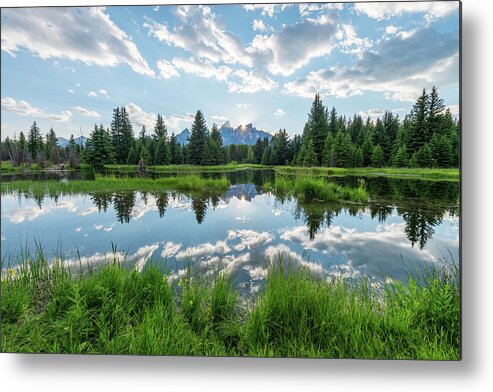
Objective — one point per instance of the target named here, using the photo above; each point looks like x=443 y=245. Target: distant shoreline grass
x=114 y=310
x=317 y=189
x=111 y=183
x=436 y=174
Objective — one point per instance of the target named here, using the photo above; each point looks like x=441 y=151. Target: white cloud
x=84 y=34
x=30 y=213
x=71 y=91
x=250 y=82
x=142 y=255
x=88 y=211
x=349 y=41
x=363 y=249
x=266 y=9
x=249 y=239
x=279 y=112
x=273 y=253
x=294 y=46
x=155 y=8
x=386 y=10
x=92 y=94
x=374 y=113
x=23 y=108
x=138 y=117
x=102 y=91
x=454 y=109
x=307 y=9
x=399 y=69
x=217 y=117
x=203 y=68
x=170 y=249
x=243 y=105
x=196 y=252
x=201 y=34
x=166 y=70
x=86 y=112
x=259 y=25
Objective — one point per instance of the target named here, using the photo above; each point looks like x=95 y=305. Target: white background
x=474 y=373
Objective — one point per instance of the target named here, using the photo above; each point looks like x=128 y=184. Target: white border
x=95 y=373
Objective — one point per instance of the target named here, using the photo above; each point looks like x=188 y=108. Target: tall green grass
x=112 y=183
x=114 y=310
x=311 y=188
x=434 y=174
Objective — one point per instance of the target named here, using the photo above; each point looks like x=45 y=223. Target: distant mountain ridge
x=243 y=134
x=62 y=142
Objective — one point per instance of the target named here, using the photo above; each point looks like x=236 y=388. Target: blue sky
x=69 y=67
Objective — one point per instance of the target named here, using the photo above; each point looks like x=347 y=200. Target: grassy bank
x=109 y=183
x=185 y=168
x=117 y=311
x=418 y=173
x=311 y=188
x=413 y=173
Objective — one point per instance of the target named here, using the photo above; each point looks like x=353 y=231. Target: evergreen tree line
x=428 y=136
x=40 y=150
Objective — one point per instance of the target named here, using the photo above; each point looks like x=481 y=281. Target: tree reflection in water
x=421 y=204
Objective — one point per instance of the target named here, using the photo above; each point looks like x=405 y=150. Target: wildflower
x=190 y=302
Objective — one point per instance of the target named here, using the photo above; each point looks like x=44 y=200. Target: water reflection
x=420 y=218
x=240 y=229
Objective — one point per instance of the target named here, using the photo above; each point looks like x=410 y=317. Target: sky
x=68 y=67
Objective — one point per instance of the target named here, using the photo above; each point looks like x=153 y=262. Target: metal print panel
x=267 y=180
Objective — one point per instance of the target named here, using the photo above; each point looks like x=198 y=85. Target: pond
x=408 y=224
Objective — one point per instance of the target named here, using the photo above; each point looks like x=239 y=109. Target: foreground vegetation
x=114 y=310
x=112 y=183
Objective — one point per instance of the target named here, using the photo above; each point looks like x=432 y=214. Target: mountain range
x=243 y=134
x=62 y=142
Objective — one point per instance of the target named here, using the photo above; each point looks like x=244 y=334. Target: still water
x=407 y=225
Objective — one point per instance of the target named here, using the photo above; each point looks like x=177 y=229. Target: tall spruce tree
x=99 y=149
x=316 y=128
x=34 y=141
x=418 y=130
x=197 y=140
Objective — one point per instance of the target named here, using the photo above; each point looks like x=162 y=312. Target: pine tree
x=99 y=149
x=162 y=155
x=309 y=155
x=280 y=148
x=316 y=128
x=355 y=128
x=173 y=147
x=160 y=130
x=328 y=156
x=399 y=159
x=198 y=138
x=127 y=137
x=418 y=131
x=332 y=118
x=357 y=156
x=367 y=150
x=380 y=138
x=423 y=157
x=216 y=149
x=258 y=151
x=441 y=148
x=52 y=152
x=343 y=156
x=377 y=158
x=436 y=110
x=35 y=141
